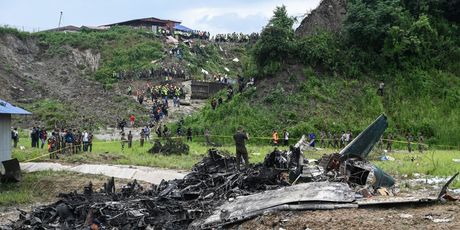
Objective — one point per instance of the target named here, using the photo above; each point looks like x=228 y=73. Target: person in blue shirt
x=312 y=137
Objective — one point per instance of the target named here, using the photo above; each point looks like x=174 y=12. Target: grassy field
x=32 y=189
x=45 y=186
x=431 y=162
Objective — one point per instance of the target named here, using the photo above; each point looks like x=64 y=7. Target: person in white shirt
x=85 y=138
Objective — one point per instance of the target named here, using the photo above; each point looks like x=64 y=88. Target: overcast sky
x=216 y=16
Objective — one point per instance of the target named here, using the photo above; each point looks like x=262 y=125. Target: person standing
x=275 y=137
x=285 y=137
x=189 y=134
x=409 y=139
x=389 y=142
x=130 y=139
x=69 y=140
x=90 y=142
x=146 y=132
x=312 y=137
x=132 y=118
x=420 y=143
x=322 y=137
x=123 y=141
x=380 y=90
x=85 y=139
x=34 y=135
x=15 y=137
x=206 y=136
x=142 y=134
x=240 y=138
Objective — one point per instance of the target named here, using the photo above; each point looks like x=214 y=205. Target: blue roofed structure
x=8 y=108
x=182 y=28
x=6 y=111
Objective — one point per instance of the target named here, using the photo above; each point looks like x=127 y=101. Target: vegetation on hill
x=125 y=49
x=329 y=81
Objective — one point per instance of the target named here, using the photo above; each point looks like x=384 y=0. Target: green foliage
x=51 y=111
x=9 y=30
x=276 y=42
x=121 y=48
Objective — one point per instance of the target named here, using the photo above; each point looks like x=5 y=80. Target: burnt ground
x=424 y=217
x=48 y=187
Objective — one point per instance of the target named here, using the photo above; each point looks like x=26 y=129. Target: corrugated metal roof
x=7 y=108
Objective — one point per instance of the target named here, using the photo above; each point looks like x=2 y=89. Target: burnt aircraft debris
x=215 y=193
x=168 y=205
x=171 y=146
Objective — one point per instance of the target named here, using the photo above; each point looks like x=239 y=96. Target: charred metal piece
x=12 y=171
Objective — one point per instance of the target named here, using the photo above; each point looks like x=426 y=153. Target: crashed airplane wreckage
x=215 y=194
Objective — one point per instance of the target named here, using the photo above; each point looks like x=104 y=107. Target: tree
x=276 y=42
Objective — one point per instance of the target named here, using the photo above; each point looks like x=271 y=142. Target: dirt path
x=175 y=114
x=146 y=174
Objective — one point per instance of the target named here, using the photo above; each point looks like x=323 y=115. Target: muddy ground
x=444 y=216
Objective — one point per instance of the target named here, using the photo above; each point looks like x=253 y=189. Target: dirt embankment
x=328 y=16
x=30 y=74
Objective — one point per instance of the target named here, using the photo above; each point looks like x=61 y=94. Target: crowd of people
x=163 y=72
x=338 y=140
x=158 y=91
x=236 y=37
x=194 y=34
x=59 y=141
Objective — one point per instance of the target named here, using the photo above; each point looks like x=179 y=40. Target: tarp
x=182 y=28
x=171 y=40
x=7 y=108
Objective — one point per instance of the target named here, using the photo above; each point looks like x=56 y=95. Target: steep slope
x=328 y=16
x=58 y=88
x=80 y=79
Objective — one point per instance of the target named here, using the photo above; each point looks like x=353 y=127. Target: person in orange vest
x=275 y=137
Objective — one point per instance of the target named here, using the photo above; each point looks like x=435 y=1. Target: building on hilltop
x=148 y=23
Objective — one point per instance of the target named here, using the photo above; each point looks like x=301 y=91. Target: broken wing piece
x=308 y=196
x=365 y=141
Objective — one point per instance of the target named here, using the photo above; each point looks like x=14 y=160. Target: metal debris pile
x=169 y=205
x=216 y=194
x=171 y=146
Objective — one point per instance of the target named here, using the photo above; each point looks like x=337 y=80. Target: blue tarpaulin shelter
x=182 y=28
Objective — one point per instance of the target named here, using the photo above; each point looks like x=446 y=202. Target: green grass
x=430 y=163
x=34 y=187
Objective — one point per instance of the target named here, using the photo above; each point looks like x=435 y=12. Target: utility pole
x=60 y=18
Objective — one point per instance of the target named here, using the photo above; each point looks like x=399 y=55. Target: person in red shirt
x=132 y=118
